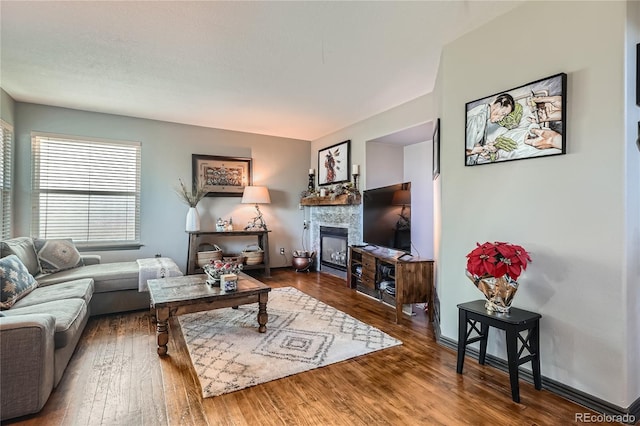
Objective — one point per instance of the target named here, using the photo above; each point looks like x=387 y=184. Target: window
x=87 y=190
x=6 y=138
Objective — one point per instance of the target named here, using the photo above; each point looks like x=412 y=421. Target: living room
x=577 y=214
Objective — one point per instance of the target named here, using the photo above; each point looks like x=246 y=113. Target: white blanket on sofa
x=158 y=267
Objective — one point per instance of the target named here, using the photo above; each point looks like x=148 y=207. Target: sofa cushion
x=57 y=255
x=107 y=277
x=69 y=315
x=24 y=249
x=78 y=289
x=16 y=280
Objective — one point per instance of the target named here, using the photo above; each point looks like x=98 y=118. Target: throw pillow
x=57 y=255
x=17 y=282
x=24 y=249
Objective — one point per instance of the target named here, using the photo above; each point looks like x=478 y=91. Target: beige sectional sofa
x=40 y=331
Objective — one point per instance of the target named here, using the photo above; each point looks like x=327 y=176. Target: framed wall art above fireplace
x=333 y=163
x=222 y=176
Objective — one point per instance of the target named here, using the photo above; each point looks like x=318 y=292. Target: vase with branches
x=192 y=197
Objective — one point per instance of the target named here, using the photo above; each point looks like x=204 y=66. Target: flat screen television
x=386 y=217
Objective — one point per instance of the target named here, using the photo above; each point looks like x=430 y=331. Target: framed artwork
x=526 y=122
x=222 y=176
x=333 y=163
x=436 y=150
x=638 y=74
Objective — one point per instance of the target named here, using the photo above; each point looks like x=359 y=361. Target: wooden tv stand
x=413 y=276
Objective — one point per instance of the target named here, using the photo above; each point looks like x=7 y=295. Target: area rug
x=229 y=354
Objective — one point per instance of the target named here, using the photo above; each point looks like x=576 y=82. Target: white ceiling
x=293 y=69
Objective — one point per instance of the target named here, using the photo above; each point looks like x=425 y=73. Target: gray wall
x=568 y=211
x=388 y=162
x=7 y=107
x=166 y=157
x=632 y=200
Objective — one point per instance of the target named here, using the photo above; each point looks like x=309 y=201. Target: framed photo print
x=526 y=122
x=333 y=163
x=222 y=176
x=436 y=150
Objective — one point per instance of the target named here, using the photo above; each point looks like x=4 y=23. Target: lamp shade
x=256 y=195
x=401 y=197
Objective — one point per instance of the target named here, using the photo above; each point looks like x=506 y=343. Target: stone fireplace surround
x=347 y=216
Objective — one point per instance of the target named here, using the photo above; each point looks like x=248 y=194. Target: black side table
x=513 y=322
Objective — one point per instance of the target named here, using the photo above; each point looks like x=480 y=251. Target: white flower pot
x=193 y=220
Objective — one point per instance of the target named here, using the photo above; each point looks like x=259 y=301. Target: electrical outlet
x=282 y=250
x=305 y=224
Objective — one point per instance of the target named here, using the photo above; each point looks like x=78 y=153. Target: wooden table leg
x=162 y=329
x=262 y=312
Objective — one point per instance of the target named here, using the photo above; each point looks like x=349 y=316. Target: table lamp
x=402 y=197
x=256 y=195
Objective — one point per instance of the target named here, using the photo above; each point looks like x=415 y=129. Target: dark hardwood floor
x=116 y=378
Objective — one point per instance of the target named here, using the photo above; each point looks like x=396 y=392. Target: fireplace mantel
x=340 y=200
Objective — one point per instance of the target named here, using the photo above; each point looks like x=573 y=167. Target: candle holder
x=312 y=180
x=355 y=180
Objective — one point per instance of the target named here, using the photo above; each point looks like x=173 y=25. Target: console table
x=514 y=322
x=263 y=242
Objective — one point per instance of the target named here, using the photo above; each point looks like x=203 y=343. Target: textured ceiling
x=293 y=69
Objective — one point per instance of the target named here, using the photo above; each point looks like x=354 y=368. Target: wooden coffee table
x=182 y=295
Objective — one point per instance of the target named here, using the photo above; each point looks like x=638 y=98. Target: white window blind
x=87 y=190
x=5 y=179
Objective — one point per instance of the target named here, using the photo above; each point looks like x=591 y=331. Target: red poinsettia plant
x=497 y=259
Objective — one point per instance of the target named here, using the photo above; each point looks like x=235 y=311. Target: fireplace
x=347 y=220
x=333 y=247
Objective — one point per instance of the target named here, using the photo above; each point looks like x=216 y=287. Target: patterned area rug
x=303 y=333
